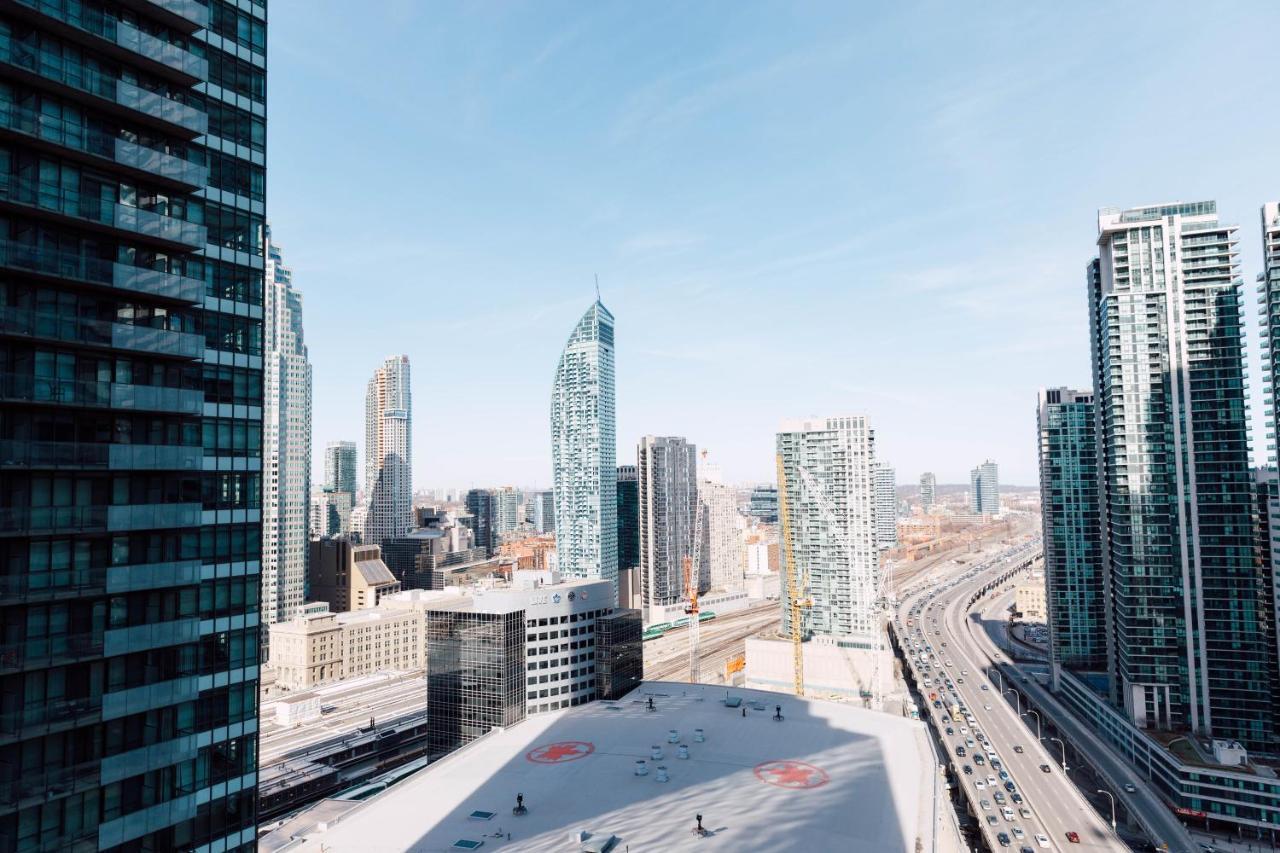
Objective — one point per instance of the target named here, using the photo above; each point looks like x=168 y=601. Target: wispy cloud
x=654 y=242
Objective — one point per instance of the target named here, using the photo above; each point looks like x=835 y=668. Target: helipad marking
x=560 y=752
x=791 y=774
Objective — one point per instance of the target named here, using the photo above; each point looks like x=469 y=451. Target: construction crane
x=797 y=599
x=692 y=572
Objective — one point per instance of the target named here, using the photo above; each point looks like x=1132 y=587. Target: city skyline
x=565 y=151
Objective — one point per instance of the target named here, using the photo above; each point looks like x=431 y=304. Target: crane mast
x=796 y=600
x=692 y=569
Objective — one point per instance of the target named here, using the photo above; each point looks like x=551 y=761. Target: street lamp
x=1017 y=696
x=1112 y=798
x=995 y=670
x=1064 y=752
x=1037 y=713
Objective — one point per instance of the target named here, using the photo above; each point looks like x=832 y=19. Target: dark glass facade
x=1075 y=593
x=132 y=192
x=483 y=506
x=619 y=653
x=628 y=503
x=475 y=675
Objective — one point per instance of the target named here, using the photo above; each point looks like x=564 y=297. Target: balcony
x=41 y=784
x=97 y=518
x=74 y=75
x=41 y=652
x=80 y=455
x=119 y=34
x=27 y=322
x=25 y=388
x=38 y=717
x=71 y=265
x=27 y=193
x=77 y=137
x=189 y=15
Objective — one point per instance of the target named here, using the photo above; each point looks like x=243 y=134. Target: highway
x=1143 y=803
x=667 y=658
x=1053 y=813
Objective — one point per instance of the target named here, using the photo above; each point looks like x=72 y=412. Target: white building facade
x=286 y=444
x=723 y=544
x=886 y=506
x=667 y=471
x=388 y=486
x=584 y=451
x=827 y=487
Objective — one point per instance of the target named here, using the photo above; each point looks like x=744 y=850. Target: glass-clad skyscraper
x=584 y=451
x=388 y=452
x=132 y=197
x=667 y=472
x=1075 y=593
x=1190 y=650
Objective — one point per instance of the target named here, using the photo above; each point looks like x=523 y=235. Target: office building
x=319 y=646
x=724 y=556
x=133 y=192
x=829 y=525
x=667 y=471
x=388 y=452
x=1190 y=651
x=1075 y=588
x=619 y=638
x=886 y=485
x=540 y=511
x=1268 y=487
x=330 y=513
x=340 y=466
x=482 y=669
x=482 y=505
x=764 y=504
x=286 y=441
x=928 y=490
x=628 y=504
x=583 y=450
x=984 y=489
x=506 y=512
x=347 y=576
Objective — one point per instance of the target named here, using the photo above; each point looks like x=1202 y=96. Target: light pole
x=1064 y=752
x=1017 y=696
x=1037 y=713
x=1112 y=798
x=995 y=670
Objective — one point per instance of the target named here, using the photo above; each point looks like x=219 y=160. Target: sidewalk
x=1232 y=845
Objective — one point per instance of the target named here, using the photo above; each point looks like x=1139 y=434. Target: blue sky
x=793 y=208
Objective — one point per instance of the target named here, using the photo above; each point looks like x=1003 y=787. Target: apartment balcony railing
x=59 y=264
x=46 y=783
x=40 y=716
x=92 y=208
x=28 y=322
x=78 y=455
x=72 y=73
x=97 y=518
x=80 y=138
x=193 y=12
x=40 y=652
x=124 y=35
x=23 y=387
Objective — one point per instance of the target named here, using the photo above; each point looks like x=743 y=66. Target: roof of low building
x=827 y=776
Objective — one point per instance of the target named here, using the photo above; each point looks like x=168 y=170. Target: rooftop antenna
x=597 y=287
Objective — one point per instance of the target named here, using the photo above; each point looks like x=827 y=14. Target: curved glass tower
x=583 y=451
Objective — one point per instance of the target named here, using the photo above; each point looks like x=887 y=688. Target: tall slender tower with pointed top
x=584 y=450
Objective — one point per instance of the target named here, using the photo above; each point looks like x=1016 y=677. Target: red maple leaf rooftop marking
x=556 y=753
x=791 y=774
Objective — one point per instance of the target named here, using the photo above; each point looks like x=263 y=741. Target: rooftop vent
x=655 y=752
x=660 y=774
x=673 y=736
x=682 y=751
x=699 y=736
x=642 y=769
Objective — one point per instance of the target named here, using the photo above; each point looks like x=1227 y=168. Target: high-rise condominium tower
x=1269 y=480
x=132 y=250
x=886 y=484
x=1076 y=595
x=828 y=517
x=388 y=452
x=286 y=441
x=584 y=451
x=928 y=490
x=340 y=466
x=483 y=506
x=984 y=489
x=1176 y=505
x=724 y=556
x=667 y=471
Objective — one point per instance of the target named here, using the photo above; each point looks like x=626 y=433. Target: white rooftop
x=827 y=777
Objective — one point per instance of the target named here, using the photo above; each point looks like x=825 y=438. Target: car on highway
x=1024 y=813
x=978 y=759
x=1016 y=797
x=1073 y=837
x=1045 y=768
x=999 y=795
x=1008 y=814
x=991 y=780
x=1003 y=838
x=1042 y=839
x=949 y=731
x=1025 y=849
x=980 y=785
x=986 y=805
x=1009 y=786
x=1004 y=774
x=968 y=742
x=1129 y=787
x=968 y=771
x=960 y=753
x=992 y=819
x=1018 y=833
x=984 y=687
x=986 y=707
x=959 y=681
x=1017 y=747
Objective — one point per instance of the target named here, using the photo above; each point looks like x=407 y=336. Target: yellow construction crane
x=692 y=573
x=797 y=600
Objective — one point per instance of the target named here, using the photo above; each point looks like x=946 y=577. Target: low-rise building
x=306 y=650
x=320 y=647
x=347 y=576
x=1029 y=598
